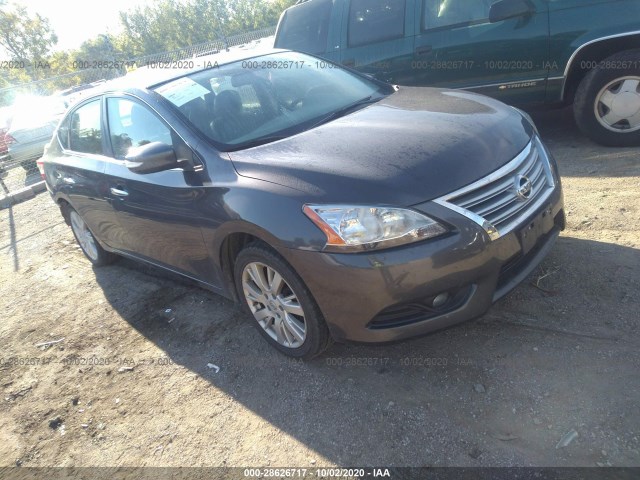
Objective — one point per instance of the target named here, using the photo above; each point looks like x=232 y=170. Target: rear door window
x=85 y=129
x=372 y=21
x=305 y=27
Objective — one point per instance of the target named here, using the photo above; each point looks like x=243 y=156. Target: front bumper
x=388 y=295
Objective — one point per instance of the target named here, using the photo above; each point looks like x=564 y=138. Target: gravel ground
x=556 y=361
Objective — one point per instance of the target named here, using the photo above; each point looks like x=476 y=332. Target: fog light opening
x=440 y=300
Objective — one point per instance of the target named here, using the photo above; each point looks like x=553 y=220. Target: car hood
x=414 y=145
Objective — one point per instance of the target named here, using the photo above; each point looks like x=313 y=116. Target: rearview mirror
x=505 y=9
x=150 y=158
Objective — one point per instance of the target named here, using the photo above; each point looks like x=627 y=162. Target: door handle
x=68 y=180
x=118 y=192
x=424 y=50
x=349 y=63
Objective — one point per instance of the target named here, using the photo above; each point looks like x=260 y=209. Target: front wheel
x=607 y=102
x=88 y=244
x=284 y=311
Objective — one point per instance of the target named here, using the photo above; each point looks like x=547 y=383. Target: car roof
x=148 y=76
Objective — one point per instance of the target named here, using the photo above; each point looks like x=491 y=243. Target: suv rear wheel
x=607 y=102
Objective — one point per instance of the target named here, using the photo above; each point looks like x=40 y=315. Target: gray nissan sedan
x=329 y=204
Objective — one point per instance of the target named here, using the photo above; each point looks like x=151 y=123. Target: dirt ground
x=130 y=385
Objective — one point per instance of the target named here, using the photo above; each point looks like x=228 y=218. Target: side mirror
x=152 y=157
x=505 y=9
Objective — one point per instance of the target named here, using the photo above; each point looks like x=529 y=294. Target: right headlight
x=356 y=228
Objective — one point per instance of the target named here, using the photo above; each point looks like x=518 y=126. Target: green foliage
x=162 y=26
x=169 y=25
x=25 y=40
x=24 y=37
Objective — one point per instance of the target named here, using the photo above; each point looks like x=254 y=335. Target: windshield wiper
x=341 y=112
x=258 y=141
x=327 y=118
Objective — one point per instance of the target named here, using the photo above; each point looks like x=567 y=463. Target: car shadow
x=502 y=388
x=32 y=177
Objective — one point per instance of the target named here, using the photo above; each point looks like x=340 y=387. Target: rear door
x=157 y=212
x=377 y=37
x=79 y=166
x=456 y=46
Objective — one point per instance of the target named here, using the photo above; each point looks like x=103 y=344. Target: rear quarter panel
x=573 y=23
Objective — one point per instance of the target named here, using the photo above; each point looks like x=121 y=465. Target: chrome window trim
x=491 y=230
x=71 y=110
x=489 y=85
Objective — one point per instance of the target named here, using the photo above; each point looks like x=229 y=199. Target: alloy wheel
x=84 y=236
x=274 y=304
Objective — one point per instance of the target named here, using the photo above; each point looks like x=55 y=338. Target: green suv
x=523 y=52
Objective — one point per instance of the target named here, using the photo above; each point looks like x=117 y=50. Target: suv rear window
x=372 y=21
x=305 y=27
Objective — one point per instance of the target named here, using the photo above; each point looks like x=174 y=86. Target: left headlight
x=356 y=228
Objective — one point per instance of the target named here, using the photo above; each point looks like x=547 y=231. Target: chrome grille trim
x=493 y=203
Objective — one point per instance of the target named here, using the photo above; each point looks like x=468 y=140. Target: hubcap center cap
x=626 y=104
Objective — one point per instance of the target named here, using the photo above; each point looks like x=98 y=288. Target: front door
x=157 y=212
x=78 y=169
x=456 y=46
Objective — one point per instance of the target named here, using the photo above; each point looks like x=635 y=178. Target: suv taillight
x=40 y=165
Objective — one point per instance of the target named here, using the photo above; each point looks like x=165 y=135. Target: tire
x=97 y=255
x=605 y=103
x=284 y=313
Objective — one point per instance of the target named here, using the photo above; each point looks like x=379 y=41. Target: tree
x=100 y=50
x=247 y=15
x=162 y=26
x=26 y=41
x=23 y=37
x=8 y=79
x=169 y=25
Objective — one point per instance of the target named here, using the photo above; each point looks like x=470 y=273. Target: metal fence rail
x=19 y=177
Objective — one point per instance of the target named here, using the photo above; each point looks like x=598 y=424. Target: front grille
x=494 y=202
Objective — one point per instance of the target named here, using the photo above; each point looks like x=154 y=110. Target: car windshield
x=266 y=98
